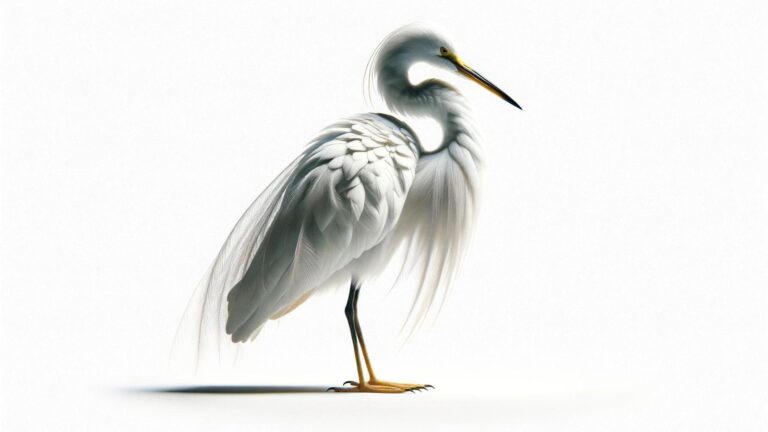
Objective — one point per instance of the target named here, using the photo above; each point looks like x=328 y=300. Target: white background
x=617 y=281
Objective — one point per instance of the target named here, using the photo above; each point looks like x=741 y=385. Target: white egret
x=364 y=189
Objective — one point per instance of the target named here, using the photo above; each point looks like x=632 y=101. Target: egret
x=363 y=190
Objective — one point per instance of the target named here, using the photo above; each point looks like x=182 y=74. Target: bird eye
x=443 y=51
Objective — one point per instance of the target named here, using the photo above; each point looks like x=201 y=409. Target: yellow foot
x=392 y=387
x=405 y=386
x=367 y=388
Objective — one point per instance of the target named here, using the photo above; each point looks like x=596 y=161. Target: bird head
x=420 y=43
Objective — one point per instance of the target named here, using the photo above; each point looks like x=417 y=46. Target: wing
x=345 y=196
x=341 y=197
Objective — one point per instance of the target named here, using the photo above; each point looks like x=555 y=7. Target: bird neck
x=435 y=99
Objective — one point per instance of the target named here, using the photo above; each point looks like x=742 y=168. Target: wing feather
x=328 y=207
x=200 y=333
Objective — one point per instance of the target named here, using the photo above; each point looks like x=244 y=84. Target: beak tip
x=473 y=75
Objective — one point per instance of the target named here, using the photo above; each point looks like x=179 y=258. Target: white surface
x=618 y=277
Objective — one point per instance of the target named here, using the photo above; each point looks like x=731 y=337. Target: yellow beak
x=470 y=73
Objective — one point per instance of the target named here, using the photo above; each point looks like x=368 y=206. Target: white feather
x=305 y=230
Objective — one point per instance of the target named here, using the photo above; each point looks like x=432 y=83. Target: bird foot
x=376 y=386
x=404 y=386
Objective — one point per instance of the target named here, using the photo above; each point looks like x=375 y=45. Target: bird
x=363 y=189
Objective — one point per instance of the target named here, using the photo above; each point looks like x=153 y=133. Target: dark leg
x=361 y=386
x=349 y=311
x=359 y=332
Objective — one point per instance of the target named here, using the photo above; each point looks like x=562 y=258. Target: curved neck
x=432 y=98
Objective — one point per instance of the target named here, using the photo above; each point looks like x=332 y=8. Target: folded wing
x=340 y=198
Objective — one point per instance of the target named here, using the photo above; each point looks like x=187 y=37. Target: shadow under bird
x=361 y=191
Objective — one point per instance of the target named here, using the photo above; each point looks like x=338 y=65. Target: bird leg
x=360 y=386
x=373 y=384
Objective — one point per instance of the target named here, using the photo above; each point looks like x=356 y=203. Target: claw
x=429 y=386
x=354 y=383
